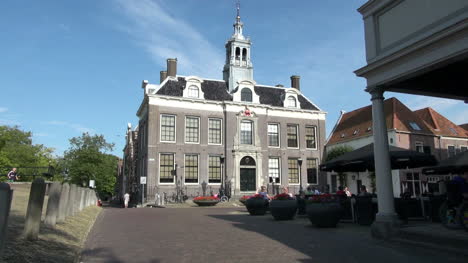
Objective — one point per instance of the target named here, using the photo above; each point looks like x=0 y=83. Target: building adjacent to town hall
x=196 y=133
x=423 y=130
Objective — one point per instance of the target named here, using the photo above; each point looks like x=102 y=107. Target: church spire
x=238 y=26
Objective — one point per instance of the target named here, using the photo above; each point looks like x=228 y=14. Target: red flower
x=322 y=198
x=282 y=196
x=257 y=196
x=205 y=198
x=245 y=197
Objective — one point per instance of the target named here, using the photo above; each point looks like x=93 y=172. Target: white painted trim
x=317 y=168
x=315 y=135
x=217 y=106
x=160 y=128
x=252 y=134
x=279 y=168
x=291 y=93
x=198 y=169
x=185 y=129
x=208 y=132
x=297 y=136
x=159 y=170
x=208 y=169
x=279 y=135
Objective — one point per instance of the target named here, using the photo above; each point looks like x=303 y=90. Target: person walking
x=126 y=199
x=12 y=175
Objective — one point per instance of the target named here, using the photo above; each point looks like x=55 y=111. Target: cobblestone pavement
x=153 y=235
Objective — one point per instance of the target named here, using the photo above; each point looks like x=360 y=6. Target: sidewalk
x=434 y=236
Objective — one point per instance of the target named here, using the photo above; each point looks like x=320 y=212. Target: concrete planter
x=283 y=209
x=206 y=202
x=256 y=206
x=324 y=214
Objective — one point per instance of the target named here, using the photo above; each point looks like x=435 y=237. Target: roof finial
x=238 y=10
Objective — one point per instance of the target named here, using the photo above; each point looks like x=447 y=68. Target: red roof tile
x=440 y=125
x=355 y=124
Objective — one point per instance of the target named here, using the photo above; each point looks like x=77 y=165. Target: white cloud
x=40 y=134
x=3 y=109
x=9 y=122
x=77 y=127
x=461 y=117
x=438 y=104
x=164 y=36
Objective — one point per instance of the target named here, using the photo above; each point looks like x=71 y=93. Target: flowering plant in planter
x=257 y=196
x=283 y=196
x=244 y=197
x=205 y=198
x=322 y=198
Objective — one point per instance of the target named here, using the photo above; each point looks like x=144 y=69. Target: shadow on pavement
x=107 y=256
x=347 y=242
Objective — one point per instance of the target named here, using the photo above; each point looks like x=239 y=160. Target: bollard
x=76 y=204
x=53 y=204
x=71 y=200
x=6 y=195
x=34 y=210
x=82 y=197
x=63 y=203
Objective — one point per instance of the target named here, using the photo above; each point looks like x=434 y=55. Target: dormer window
x=369 y=129
x=415 y=126
x=193 y=92
x=355 y=132
x=246 y=95
x=292 y=102
x=454 y=132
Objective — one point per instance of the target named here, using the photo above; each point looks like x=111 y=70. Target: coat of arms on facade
x=247 y=112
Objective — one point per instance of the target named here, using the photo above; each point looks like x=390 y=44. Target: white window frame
x=298 y=171
x=279 y=168
x=316 y=168
x=289 y=100
x=220 y=119
x=279 y=135
x=297 y=136
x=159 y=169
x=192 y=88
x=419 y=143
x=454 y=150
x=208 y=169
x=315 y=136
x=160 y=127
x=252 y=131
x=198 y=169
x=185 y=129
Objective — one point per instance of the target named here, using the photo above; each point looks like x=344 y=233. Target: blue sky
x=70 y=66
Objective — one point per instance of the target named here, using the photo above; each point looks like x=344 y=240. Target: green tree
x=87 y=159
x=336 y=152
x=17 y=150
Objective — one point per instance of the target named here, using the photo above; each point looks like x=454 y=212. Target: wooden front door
x=247 y=180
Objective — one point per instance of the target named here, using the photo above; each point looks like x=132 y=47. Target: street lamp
x=299 y=162
x=223 y=184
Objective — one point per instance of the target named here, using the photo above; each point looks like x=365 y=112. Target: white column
x=382 y=159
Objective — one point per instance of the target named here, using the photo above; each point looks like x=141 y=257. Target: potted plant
x=323 y=210
x=244 y=198
x=283 y=207
x=206 y=200
x=257 y=205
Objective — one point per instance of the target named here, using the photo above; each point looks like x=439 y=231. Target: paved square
x=150 y=235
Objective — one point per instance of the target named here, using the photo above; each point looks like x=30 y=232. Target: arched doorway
x=248 y=174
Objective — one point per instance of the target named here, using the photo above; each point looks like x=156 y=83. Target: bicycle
x=454 y=217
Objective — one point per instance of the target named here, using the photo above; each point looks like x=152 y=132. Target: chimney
x=162 y=76
x=171 y=67
x=295 y=82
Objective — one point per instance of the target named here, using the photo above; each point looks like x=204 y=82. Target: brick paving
x=153 y=235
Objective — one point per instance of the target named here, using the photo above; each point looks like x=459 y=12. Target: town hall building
x=232 y=133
